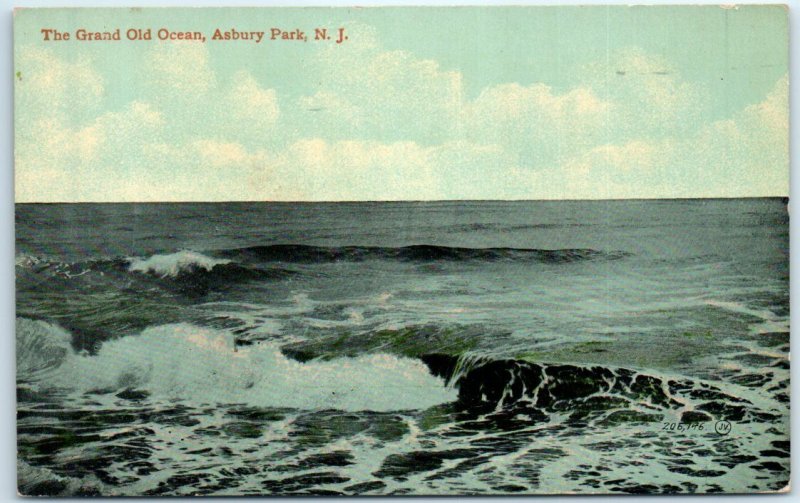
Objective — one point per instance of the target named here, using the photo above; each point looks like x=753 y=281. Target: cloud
x=635 y=157
x=87 y=162
x=386 y=95
x=322 y=170
x=385 y=125
x=47 y=157
x=746 y=155
x=316 y=169
x=393 y=96
x=250 y=102
x=221 y=155
x=328 y=111
x=540 y=125
x=244 y=112
x=179 y=70
x=47 y=85
x=184 y=143
x=196 y=102
x=650 y=96
x=633 y=169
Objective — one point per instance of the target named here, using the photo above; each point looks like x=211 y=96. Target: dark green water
x=403 y=348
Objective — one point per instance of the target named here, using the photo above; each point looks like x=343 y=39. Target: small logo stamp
x=722 y=427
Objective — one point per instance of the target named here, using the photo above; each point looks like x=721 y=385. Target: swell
x=580 y=391
x=413 y=253
x=196 y=272
x=185 y=271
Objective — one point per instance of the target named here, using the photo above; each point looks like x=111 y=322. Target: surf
x=175 y=264
x=199 y=365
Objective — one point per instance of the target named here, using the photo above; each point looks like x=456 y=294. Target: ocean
x=408 y=348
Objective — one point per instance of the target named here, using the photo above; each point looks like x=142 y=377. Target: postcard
x=483 y=250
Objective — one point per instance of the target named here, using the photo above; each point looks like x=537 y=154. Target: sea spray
x=175 y=263
x=200 y=365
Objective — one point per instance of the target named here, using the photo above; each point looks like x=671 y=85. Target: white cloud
x=634 y=156
x=87 y=162
x=220 y=155
x=749 y=153
x=346 y=170
x=179 y=69
x=328 y=111
x=196 y=103
x=746 y=155
x=318 y=169
x=48 y=155
x=250 y=102
x=651 y=97
x=50 y=86
x=387 y=125
x=541 y=126
x=397 y=95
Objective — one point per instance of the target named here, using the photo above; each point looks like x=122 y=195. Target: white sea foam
x=26 y=261
x=770 y=322
x=174 y=263
x=199 y=365
x=40 y=346
x=39 y=481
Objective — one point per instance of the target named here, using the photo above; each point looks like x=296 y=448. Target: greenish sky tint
x=419 y=103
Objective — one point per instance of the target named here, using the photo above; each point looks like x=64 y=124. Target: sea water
x=403 y=348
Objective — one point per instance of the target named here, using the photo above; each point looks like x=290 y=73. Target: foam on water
x=40 y=346
x=26 y=261
x=200 y=365
x=770 y=322
x=174 y=264
x=567 y=360
x=34 y=480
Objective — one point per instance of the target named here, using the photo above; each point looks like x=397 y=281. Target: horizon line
x=356 y=201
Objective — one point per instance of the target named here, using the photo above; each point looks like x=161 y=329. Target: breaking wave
x=582 y=390
x=185 y=271
x=39 y=481
x=175 y=264
x=40 y=346
x=200 y=365
x=196 y=274
x=242 y=264
x=186 y=362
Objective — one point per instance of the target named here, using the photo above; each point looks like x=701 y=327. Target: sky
x=417 y=104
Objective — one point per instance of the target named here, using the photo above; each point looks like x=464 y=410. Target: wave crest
x=175 y=264
x=40 y=346
x=585 y=390
x=26 y=261
x=187 y=362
